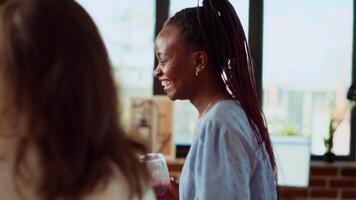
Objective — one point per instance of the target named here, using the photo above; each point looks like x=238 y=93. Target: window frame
x=162 y=14
x=256 y=48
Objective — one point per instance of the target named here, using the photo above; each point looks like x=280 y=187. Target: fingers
x=174 y=182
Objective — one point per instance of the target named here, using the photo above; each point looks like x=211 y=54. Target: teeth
x=166 y=84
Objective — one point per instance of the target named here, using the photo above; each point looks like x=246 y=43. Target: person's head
x=208 y=43
x=56 y=72
x=177 y=63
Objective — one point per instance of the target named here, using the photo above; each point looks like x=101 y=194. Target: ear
x=200 y=58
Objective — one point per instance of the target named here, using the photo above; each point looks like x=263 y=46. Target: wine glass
x=158 y=170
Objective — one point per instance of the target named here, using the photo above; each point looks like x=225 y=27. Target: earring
x=198 y=69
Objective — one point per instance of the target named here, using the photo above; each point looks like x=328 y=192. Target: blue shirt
x=225 y=161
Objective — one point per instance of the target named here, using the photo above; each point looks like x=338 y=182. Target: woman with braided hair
x=204 y=57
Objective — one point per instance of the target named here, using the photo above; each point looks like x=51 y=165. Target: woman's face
x=176 y=64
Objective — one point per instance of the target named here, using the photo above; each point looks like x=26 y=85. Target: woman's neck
x=208 y=95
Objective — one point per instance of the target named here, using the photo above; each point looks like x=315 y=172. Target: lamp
x=351 y=94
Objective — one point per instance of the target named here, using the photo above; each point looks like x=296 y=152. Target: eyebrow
x=159 y=54
x=156 y=50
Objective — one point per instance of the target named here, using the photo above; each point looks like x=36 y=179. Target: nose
x=157 y=72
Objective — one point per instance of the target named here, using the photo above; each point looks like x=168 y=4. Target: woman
x=203 y=57
x=59 y=131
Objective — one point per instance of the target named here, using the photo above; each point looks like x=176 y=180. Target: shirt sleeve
x=223 y=168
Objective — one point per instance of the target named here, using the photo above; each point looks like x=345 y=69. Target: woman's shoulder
x=117 y=188
x=229 y=115
x=227 y=122
x=224 y=111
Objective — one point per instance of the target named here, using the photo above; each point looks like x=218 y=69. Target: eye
x=162 y=62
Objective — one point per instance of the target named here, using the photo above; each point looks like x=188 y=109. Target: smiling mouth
x=166 y=84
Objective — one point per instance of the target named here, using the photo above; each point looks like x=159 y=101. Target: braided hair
x=216 y=28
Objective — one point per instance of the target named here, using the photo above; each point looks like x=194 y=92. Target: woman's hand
x=173 y=191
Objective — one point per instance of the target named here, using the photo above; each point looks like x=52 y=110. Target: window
x=307 y=69
x=306 y=62
x=127 y=28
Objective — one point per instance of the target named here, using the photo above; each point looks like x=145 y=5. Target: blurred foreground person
x=59 y=131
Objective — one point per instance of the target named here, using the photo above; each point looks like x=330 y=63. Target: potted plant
x=329 y=155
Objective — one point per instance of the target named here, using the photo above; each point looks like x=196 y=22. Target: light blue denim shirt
x=224 y=161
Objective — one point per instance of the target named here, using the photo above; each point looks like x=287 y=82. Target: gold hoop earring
x=199 y=69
